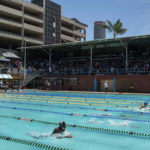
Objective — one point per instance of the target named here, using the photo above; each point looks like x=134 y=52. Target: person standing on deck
x=106 y=86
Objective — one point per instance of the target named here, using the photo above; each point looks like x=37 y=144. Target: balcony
x=79 y=34
x=32 y=18
x=10 y=12
x=68 y=38
x=67 y=30
x=8 y=23
x=33 y=28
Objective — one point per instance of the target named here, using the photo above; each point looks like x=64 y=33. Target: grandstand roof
x=97 y=44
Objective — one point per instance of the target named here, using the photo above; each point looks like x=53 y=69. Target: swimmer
x=144 y=105
x=60 y=130
x=58 y=133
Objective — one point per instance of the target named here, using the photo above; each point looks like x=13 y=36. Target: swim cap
x=146 y=103
x=62 y=124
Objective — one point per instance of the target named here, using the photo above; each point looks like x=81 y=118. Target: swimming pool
x=96 y=121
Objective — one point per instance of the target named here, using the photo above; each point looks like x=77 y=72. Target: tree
x=116 y=28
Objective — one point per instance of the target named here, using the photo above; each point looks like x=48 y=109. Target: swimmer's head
x=146 y=103
x=62 y=125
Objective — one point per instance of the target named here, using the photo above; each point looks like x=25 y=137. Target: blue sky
x=135 y=14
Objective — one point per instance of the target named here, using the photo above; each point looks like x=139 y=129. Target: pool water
x=94 y=115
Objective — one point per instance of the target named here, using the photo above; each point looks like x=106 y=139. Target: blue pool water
x=115 y=112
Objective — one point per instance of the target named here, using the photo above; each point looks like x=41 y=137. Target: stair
x=28 y=79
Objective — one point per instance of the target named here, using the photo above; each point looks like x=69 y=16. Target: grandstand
x=84 y=66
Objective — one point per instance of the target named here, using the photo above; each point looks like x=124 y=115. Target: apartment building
x=72 y=30
x=36 y=23
x=52 y=21
x=60 y=29
x=20 y=21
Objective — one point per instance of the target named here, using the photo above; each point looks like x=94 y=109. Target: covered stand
x=4 y=85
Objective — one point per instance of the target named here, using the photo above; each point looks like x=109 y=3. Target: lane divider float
x=104 y=130
x=31 y=143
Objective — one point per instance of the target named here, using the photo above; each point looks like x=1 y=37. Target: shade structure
x=10 y=55
x=5 y=76
x=2 y=58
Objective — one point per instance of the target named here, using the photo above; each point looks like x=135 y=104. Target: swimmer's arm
x=68 y=136
x=55 y=131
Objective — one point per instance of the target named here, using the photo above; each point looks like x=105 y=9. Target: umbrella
x=2 y=58
x=10 y=55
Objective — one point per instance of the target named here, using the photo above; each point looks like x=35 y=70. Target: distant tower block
x=99 y=31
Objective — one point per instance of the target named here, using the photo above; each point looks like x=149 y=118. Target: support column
x=22 y=22
x=114 y=84
x=44 y=7
x=73 y=31
x=95 y=84
x=126 y=47
x=91 y=58
x=50 y=58
x=85 y=35
x=25 y=57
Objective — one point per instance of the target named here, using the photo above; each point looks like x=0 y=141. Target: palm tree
x=116 y=28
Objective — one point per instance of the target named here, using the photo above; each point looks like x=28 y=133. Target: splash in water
x=38 y=135
x=94 y=121
x=123 y=123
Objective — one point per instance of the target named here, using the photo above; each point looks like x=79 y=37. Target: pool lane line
x=113 y=100
x=31 y=143
x=68 y=102
x=46 y=105
x=65 y=98
x=124 y=111
x=74 y=94
x=41 y=97
x=104 y=130
x=71 y=114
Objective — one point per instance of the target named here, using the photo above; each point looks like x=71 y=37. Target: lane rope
x=31 y=143
x=109 y=110
x=104 y=130
x=71 y=114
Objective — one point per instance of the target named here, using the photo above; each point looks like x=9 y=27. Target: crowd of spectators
x=138 y=62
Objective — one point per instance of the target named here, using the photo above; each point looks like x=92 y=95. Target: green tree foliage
x=116 y=28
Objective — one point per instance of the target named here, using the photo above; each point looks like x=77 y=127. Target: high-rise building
x=36 y=23
x=60 y=29
x=72 y=30
x=99 y=31
x=52 y=21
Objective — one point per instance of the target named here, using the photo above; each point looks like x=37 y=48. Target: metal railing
x=118 y=71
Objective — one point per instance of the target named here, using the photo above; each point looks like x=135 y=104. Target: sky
x=134 y=14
